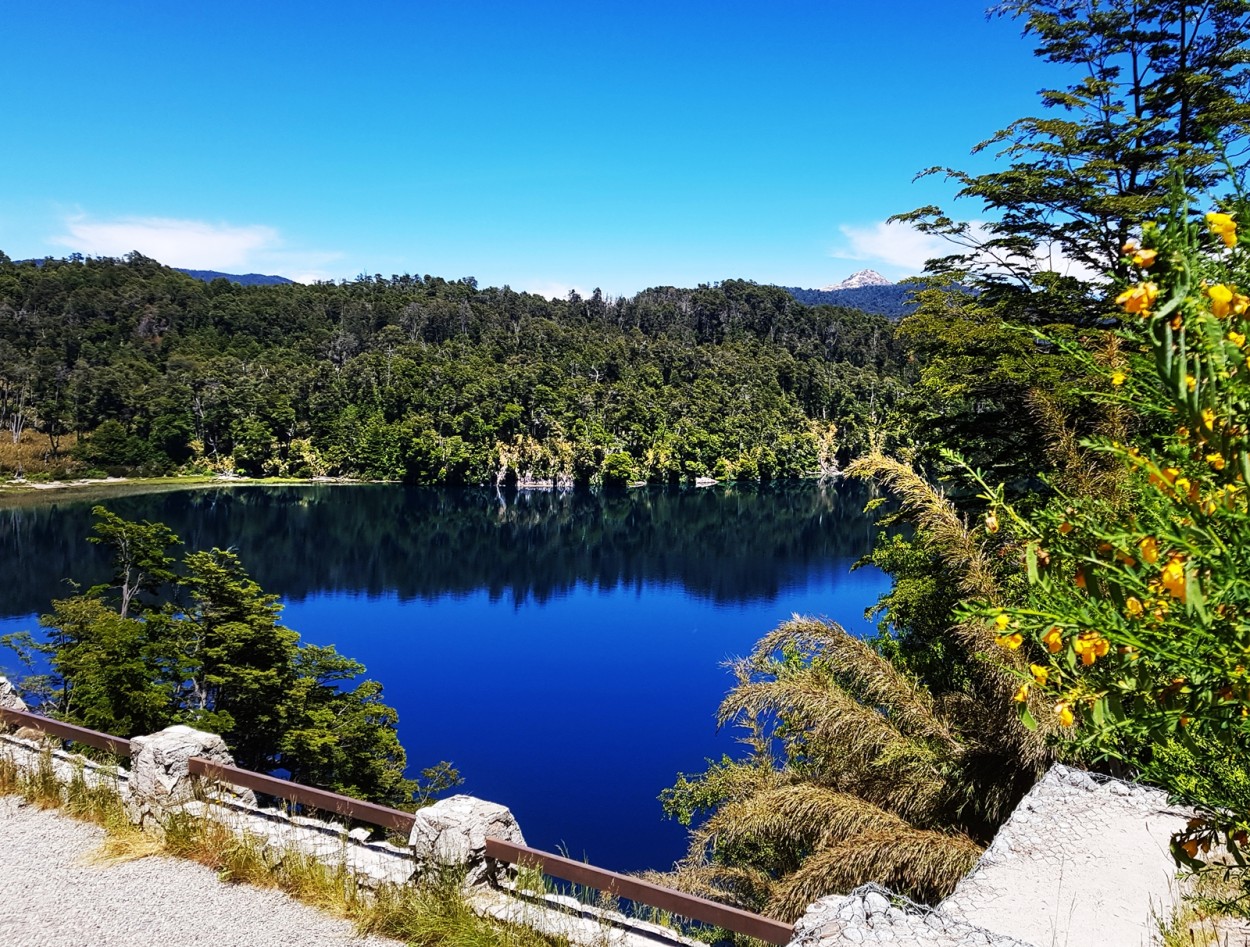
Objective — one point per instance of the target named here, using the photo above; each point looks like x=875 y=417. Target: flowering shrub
x=1138 y=613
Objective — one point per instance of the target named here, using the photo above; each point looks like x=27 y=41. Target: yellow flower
x=1223 y=227
x=1133 y=606
x=991 y=522
x=1191 y=382
x=1145 y=258
x=1079 y=579
x=1149 y=547
x=1138 y=298
x=1166 y=476
x=1039 y=673
x=1022 y=694
x=1118 y=378
x=1065 y=527
x=1173 y=577
x=1064 y=710
x=1053 y=639
x=1221 y=298
x=1216 y=461
x=1011 y=641
x=1182 y=432
x=1238 y=339
x=1208 y=415
x=1002 y=619
x=1090 y=646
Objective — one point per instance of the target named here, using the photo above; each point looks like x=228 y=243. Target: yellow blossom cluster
x=1126 y=599
x=1138 y=299
x=1090 y=646
x=1224 y=227
x=1226 y=301
x=1007 y=638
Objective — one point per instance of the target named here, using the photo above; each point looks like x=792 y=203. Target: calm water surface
x=563 y=650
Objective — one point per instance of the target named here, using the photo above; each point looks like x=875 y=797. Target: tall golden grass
x=32 y=455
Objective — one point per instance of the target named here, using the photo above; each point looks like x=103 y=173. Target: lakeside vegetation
x=1083 y=597
x=128 y=366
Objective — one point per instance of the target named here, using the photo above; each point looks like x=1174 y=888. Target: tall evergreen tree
x=203 y=645
x=1159 y=87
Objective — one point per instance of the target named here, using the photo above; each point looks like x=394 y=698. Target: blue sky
x=544 y=145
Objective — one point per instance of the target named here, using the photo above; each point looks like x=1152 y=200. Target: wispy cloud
x=898 y=246
x=194 y=244
x=187 y=243
x=904 y=249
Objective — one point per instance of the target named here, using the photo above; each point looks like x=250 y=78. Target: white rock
x=9 y=698
x=453 y=832
x=159 y=763
x=875 y=903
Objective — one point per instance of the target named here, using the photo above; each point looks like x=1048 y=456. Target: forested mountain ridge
x=244 y=279
x=429 y=380
x=883 y=299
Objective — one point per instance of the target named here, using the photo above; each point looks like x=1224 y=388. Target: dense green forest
x=129 y=366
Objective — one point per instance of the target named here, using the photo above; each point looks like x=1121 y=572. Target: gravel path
x=50 y=897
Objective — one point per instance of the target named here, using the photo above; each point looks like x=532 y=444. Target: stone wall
x=1084 y=861
x=450 y=833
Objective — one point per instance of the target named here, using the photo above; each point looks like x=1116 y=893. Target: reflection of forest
x=728 y=544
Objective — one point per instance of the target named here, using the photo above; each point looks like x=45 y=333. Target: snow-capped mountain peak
x=858 y=281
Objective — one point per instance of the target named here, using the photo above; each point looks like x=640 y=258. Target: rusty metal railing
x=676 y=902
x=321 y=799
x=66 y=731
x=643 y=892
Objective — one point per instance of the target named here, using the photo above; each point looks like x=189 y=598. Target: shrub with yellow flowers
x=1138 y=612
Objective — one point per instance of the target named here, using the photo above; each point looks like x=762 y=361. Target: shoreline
x=19 y=490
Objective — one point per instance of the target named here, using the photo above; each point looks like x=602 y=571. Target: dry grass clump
x=435 y=914
x=97 y=801
x=32 y=456
x=872 y=788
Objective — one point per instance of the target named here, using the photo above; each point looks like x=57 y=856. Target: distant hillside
x=883 y=299
x=247 y=279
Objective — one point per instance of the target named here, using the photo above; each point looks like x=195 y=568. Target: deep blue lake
x=563 y=649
